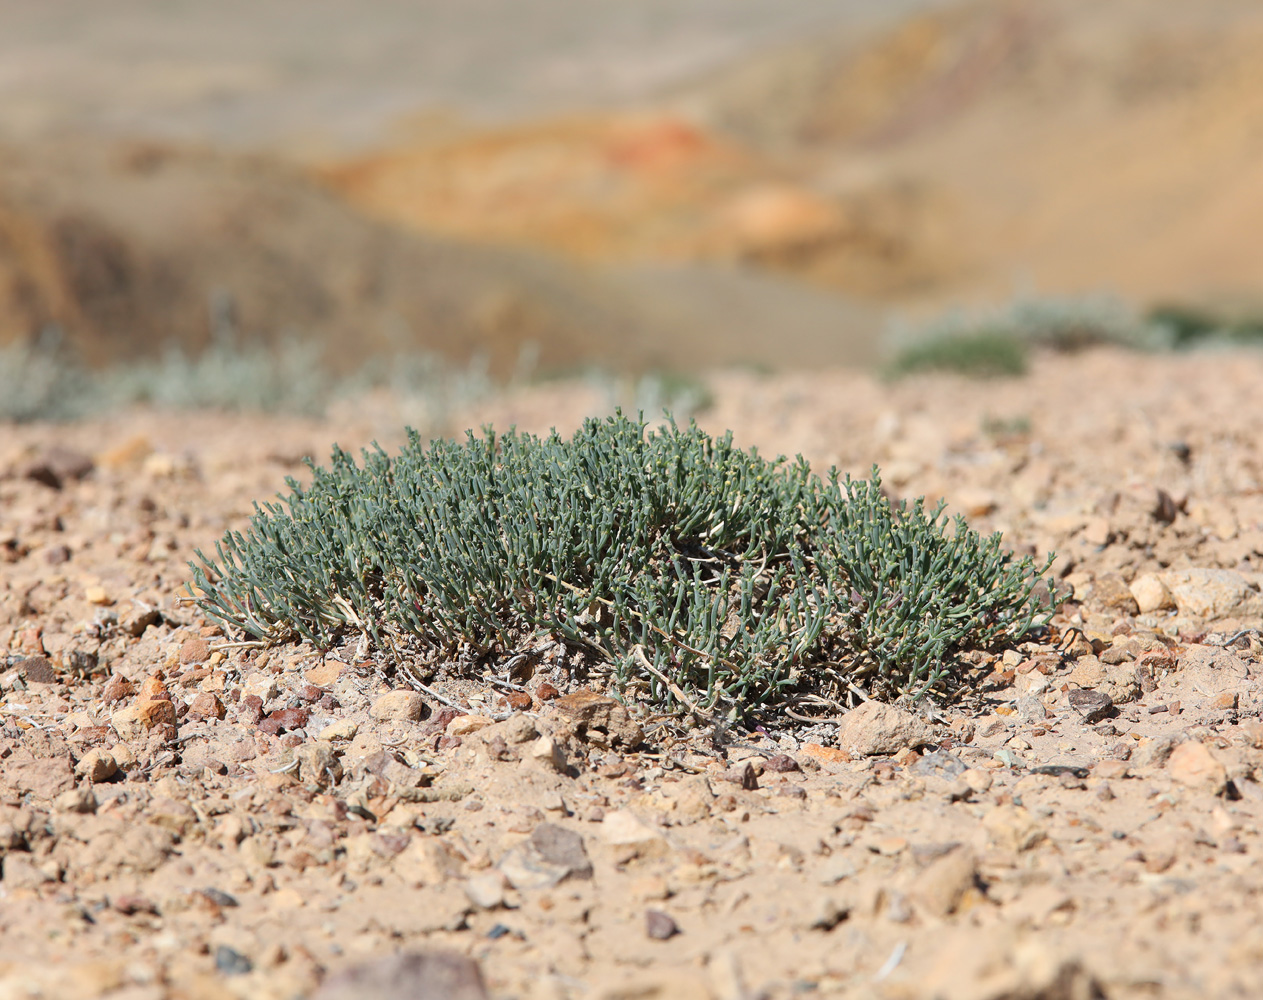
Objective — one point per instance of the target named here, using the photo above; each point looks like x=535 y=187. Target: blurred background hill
x=662 y=184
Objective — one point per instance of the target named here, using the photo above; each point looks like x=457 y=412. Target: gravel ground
x=185 y=816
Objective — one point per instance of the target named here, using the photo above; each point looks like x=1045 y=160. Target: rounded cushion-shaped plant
x=704 y=575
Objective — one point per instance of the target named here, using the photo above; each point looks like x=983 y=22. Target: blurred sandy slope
x=659 y=184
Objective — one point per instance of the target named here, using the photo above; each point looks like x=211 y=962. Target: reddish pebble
x=283 y=720
x=117 y=688
x=519 y=701
x=546 y=692
x=31 y=642
x=781 y=763
x=207 y=706
x=309 y=693
x=440 y=719
x=156 y=713
x=194 y=651
x=153 y=689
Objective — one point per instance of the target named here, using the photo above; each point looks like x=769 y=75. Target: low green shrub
x=700 y=574
x=980 y=354
x=1196 y=326
x=998 y=342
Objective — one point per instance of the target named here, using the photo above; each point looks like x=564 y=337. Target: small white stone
x=261 y=685
x=1151 y=594
x=548 y=752
x=486 y=891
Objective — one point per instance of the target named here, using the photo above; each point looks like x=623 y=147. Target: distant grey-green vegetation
x=1000 y=342
x=43 y=380
x=1196 y=326
x=700 y=575
x=979 y=353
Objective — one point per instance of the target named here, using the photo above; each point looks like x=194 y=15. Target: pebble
x=325 y=674
x=660 y=926
x=486 y=891
x=969 y=783
x=96 y=765
x=342 y=729
x=466 y=725
x=124 y=756
x=426 y=861
x=398 y=706
x=259 y=685
x=1110 y=769
x=623 y=827
x=317 y=764
x=207 y=706
x=550 y=855
x=1151 y=594
x=1193 y=765
x=835 y=869
x=194 y=651
x=76 y=800
x=117 y=688
x=600 y=720
x=877 y=729
x=548 y=752
x=1092 y=706
x=1213 y=593
x=519 y=701
x=1013 y=828
x=231 y=962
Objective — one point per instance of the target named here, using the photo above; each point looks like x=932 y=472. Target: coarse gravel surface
x=184 y=815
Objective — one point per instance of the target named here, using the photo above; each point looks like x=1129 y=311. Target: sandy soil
x=184 y=816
